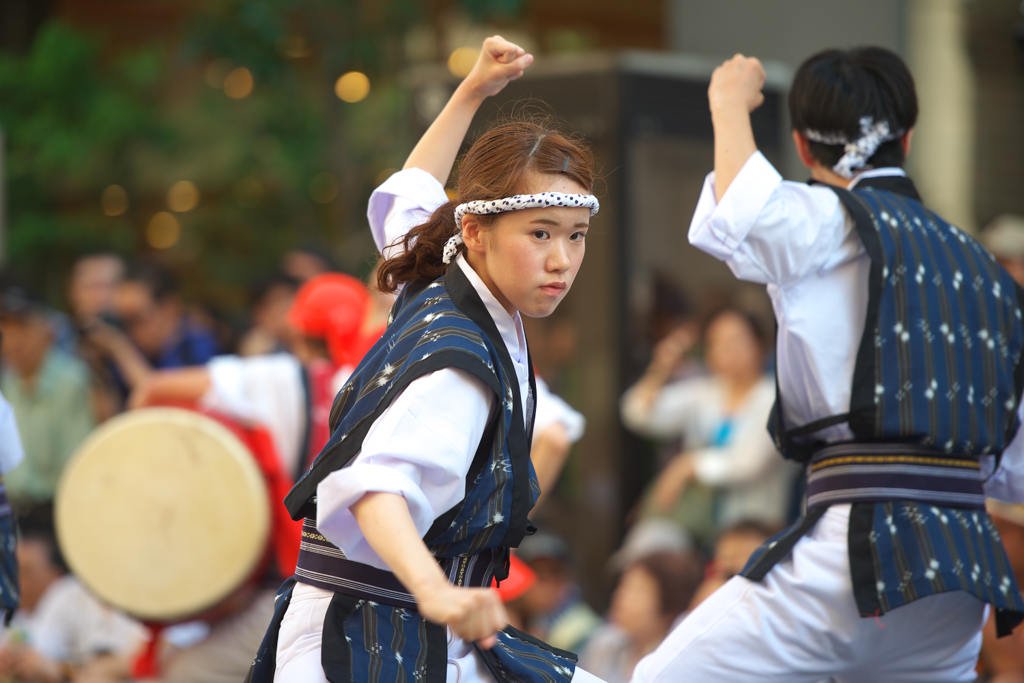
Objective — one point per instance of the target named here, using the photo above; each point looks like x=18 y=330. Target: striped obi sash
x=324 y=565
x=847 y=473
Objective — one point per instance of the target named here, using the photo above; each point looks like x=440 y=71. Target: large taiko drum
x=163 y=513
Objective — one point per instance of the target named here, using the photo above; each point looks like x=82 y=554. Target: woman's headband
x=857 y=152
x=519 y=201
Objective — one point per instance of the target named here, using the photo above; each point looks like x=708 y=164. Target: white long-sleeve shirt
x=422 y=445
x=799 y=241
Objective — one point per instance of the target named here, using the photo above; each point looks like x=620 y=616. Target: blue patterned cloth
x=939 y=367
x=372 y=631
x=10 y=590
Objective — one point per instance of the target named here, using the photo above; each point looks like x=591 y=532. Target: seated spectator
x=730 y=469
x=553 y=607
x=60 y=629
x=651 y=594
x=269 y=315
x=306 y=262
x=49 y=393
x=159 y=334
x=734 y=547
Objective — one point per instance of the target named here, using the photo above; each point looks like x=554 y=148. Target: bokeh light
x=216 y=72
x=114 y=200
x=238 y=83
x=163 y=231
x=323 y=188
x=183 y=196
x=461 y=62
x=352 y=87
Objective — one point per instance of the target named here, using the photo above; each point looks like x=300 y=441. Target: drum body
x=163 y=513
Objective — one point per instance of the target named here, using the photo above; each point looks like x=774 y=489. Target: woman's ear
x=472 y=233
x=905 y=142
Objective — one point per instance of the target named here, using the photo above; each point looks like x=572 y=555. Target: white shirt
x=70 y=625
x=799 y=241
x=422 y=445
x=552 y=408
x=263 y=389
x=11 y=451
x=756 y=482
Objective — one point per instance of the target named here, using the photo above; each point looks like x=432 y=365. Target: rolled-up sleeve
x=405 y=200
x=769 y=230
x=420 y=448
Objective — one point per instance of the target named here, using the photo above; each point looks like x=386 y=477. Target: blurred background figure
x=729 y=468
x=734 y=547
x=48 y=390
x=157 y=332
x=289 y=392
x=306 y=262
x=90 y=296
x=1002 y=659
x=652 y=592
x=60 y=632
x=553 y=607
x=271 y=299
x=1004 y=237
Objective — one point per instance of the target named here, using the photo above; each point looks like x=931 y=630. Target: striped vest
x=372 y=630
x=939 y=368
x=936 y=383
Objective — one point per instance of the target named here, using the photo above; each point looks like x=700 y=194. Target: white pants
x=299 y=644
x=801 y=625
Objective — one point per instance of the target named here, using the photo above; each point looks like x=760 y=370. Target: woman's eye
x=577 y=236
x=540 y=234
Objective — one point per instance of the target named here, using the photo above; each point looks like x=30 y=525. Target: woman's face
x=731 y=349
x=529 y=258
x=636 y=604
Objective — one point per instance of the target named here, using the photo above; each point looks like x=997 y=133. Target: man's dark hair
x=833 y=89
x=159 y=282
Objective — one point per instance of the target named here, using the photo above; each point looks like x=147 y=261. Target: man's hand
x=500 y=62
x=474 y=614
x=737 y=83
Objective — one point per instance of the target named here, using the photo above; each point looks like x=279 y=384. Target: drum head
x=163 y=513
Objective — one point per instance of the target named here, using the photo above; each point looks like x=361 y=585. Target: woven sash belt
x=323 y=565
x=847 y=473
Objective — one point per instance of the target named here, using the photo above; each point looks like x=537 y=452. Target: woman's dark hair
x=677 y=576
x=749 y=319
x=833 y=89
x=497 y=165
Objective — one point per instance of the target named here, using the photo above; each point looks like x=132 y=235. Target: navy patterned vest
x=372 y=630
x=936 y=385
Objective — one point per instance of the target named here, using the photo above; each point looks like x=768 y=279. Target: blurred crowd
x=128 y=338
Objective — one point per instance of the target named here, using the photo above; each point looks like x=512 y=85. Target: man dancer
x=899 y=375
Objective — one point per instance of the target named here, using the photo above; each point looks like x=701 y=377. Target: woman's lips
x=554 y=288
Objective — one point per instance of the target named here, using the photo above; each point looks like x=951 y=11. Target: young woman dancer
x=412 y=506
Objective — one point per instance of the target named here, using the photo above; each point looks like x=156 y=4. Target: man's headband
x=519 y=201
x=857 y=152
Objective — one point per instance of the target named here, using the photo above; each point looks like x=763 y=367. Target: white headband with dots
x=519 y=201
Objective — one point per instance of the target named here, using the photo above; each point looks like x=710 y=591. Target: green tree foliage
x=287 y=164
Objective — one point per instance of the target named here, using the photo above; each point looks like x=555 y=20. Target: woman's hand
x=500 y=62
x=672 y=482
x=474 y=614
x=669 y=352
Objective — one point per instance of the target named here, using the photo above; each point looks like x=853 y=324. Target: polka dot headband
x=856 y=152
x=519 y=201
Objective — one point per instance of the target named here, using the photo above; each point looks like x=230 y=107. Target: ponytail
x=422 y=252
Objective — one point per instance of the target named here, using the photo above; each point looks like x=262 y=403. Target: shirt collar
x=885 y=171
x=509 y=327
